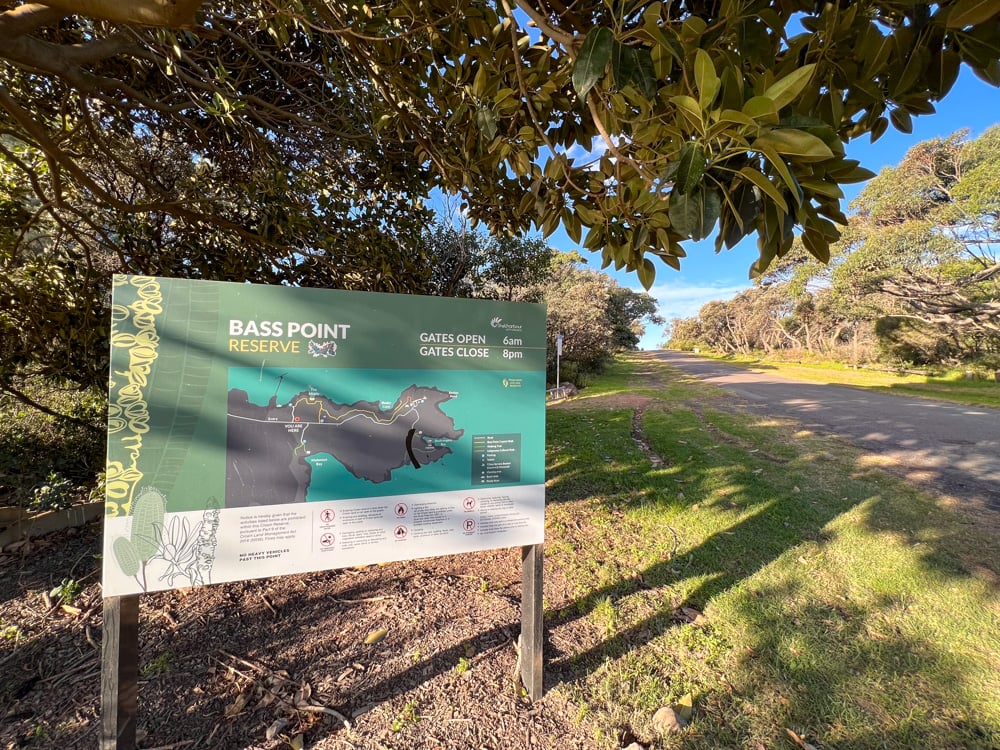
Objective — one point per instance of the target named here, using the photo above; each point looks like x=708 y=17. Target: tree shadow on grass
x=767 y=529
x=315 y=626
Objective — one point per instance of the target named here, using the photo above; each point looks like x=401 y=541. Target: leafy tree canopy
x=724 y=116
x=917 y=271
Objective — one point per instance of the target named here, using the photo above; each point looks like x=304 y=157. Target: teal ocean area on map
x=459 y=403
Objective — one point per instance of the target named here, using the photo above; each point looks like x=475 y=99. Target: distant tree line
x=595 y=315
x=915 y=280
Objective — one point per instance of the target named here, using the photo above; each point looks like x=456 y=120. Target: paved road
x=950 y=447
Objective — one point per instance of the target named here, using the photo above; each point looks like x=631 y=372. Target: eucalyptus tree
x=629 y=312
x=927 y=236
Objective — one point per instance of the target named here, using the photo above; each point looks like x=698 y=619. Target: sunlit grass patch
x=771 y=577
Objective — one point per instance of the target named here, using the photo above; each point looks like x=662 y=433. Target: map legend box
x=496 y=459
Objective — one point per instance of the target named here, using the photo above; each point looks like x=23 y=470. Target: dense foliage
x=295 y=142
x=916 y=278
x=595 y=316
x=725 y=117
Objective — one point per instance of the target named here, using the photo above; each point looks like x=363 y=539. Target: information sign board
x=264 y=430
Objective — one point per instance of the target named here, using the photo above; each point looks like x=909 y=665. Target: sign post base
x=531 y=620
x=119 y=672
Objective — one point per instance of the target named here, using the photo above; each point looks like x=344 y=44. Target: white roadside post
x=558 y=357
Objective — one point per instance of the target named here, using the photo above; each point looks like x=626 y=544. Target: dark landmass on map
x=260 y=453
x=268 y=446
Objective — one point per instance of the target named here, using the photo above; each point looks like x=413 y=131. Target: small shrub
x=55 y=493
x=67 y=591
x=45 y=460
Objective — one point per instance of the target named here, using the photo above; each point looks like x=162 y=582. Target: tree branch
x=175 y=14
x=26 y=19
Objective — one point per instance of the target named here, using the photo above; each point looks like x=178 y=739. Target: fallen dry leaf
x=685 y=706
x=694 y=617
x=302 y=695
x=238 y=705
x=277 y=726
x=375 y=636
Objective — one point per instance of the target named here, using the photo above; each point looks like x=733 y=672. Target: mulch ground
x=421 y=654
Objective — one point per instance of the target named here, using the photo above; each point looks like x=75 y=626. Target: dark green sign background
x=175 y=341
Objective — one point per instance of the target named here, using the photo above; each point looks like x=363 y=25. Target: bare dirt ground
x=254 y=665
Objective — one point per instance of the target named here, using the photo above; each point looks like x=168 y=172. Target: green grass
x=949 y=387
x=840 y=603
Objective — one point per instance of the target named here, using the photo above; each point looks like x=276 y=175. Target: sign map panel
x=257 y=431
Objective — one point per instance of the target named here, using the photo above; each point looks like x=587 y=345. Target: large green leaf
x=592 y=61
x=761 y=109
x=633 y=67
x=486 y=120
x=741 y=221
x=690 y=109
x=916 y=65
x=817 y=245
x=765 y=186
x=779 y=165
x=694 y=215
x=785 y=90
x=690 y=168
x=971 y=13
x=902 y=120
x=796 y=144
x=646 y=272
x=705 y=79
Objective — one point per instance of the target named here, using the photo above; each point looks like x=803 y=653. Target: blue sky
x=705 y=276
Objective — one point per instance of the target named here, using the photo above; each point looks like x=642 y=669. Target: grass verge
x=766 y=575
x=950 y=387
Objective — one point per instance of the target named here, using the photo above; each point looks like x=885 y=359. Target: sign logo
x=497 y=322
x=323 y=349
